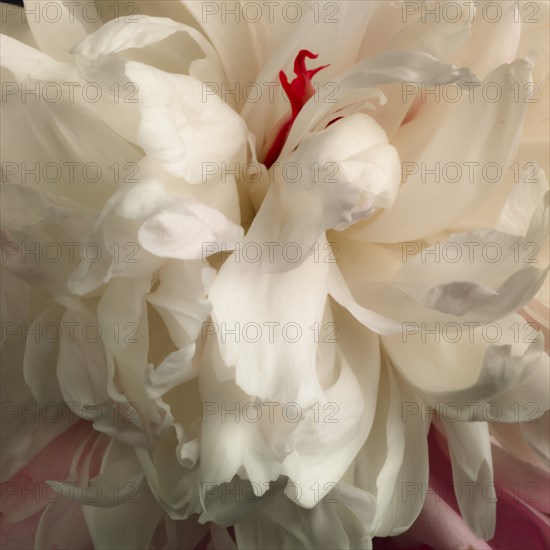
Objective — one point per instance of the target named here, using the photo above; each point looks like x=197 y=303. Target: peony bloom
x=249 y=261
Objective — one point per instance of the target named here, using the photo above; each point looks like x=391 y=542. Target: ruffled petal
x=140 y=227
x=428 y=204
x=393 y=459
x=470 y=379
x=282 y=524
x=183 y=307
x=58 y=26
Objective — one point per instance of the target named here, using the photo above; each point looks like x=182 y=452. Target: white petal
x=56 y=27
x=42 y=235
x=497 y=275
x=246 y=298
x=186 y=231
x=138 y=226
x=181 y=299
x=219 y=192
x=99 y=94
x=329 y=437
x=480 y=52
x=41 y=356
x=141 y=31
x=62 y=525
x=181 y=127
x=81 y=367
x=106 y=493
x=467 y=378
x=132 y=523
x=18 y=27
x=241 y=448
x=233 y=39
x=176 y=369
x=393 y=459
x=282 y=524
x=348 y=170
x=157 y=41
x=425 y=204
x=56 y=155
x=472 y=463
x=176 y=487
x=522 y=204
x=340 y=291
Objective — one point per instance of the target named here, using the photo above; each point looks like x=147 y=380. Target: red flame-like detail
x=299 y=91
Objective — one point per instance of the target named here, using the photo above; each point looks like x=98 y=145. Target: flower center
x=299 y=91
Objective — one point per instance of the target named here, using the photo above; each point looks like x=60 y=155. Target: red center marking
x=299 y=91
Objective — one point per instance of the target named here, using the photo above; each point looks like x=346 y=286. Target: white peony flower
x=263 y=302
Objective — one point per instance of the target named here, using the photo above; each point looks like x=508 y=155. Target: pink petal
x=26 y=493
x=519 y=524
